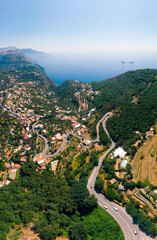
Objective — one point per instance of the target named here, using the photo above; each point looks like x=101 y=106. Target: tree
x=2 y=165
x=77 y=231
x=128 y=168
x=89 y=204
x=141 y=156
x=99 y=184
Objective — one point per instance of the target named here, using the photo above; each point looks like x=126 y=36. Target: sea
x=90 y=68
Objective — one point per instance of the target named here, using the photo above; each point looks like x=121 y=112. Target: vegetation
x=60 y=204
x=102 y=226
x=142 y=220
x=133 y=97
x=50 y=203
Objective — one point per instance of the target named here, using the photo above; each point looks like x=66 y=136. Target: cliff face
x=12 y=58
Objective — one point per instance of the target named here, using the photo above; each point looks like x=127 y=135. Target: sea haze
x=90 y=68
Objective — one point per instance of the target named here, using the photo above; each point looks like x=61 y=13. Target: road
x=124 y=219
x=121 y=216
x=66 y=136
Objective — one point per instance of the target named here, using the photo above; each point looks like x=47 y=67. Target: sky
x=126 y=27
x=87 y=39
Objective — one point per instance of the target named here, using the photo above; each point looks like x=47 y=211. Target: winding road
x=125 y=221
x=66 y=136
x=121 y=216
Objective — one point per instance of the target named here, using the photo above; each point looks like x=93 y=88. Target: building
x=58 y=136
x=27 y=147
x=24 y=159
x=119 y=153
x=39 y=159
x=54 y=165
x=12 y=174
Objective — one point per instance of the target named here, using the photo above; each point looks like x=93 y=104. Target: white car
x=116 y=209
x=135 y=232
x=105 y=207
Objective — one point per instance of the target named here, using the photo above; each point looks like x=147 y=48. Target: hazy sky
x=127 y=27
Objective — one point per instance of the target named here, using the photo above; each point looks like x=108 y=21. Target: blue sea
x=89 y=68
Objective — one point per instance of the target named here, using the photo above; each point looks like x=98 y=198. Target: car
x=105 y=207
x=135 y=232
x=116 y=209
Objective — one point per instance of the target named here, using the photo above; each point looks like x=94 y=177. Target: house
x=26 y=136
x=121 y=187
x=39 y=126
x=58 y=136
x=119 y=153
x=150 y=133
x=7 y=154
x=7 y=165
x=7 y=182
x=92 y=110
x=17 y=149
x=17 y=166
x=53 y=139
x=12 y=175
x=77 y=125
x=54 y=165
x=27 y=147
x=24 y=159
x=113 y=181
x=2 y=184
x=39 y=159
x=86 y=142
x=83 y=130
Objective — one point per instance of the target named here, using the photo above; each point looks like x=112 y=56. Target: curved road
x=66 y=136
x=121 y=216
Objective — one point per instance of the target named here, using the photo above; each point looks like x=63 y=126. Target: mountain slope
x=132 y=96
x=12 y=61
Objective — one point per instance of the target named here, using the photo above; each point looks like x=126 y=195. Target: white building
x=119 y=152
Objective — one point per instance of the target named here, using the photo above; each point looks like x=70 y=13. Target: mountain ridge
x=12 y=57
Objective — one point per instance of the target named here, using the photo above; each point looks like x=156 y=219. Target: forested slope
x=53 y=206
x=133 y=97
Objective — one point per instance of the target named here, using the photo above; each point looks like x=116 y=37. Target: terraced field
x=146 y=169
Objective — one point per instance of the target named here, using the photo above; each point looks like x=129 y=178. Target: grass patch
x=15 y=235
x=102 y=226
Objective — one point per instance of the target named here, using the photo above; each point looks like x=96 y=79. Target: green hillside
x=132 y=96
x=15 y=67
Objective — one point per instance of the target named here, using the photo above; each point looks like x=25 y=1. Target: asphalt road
x=66 y=136
x=121 y=216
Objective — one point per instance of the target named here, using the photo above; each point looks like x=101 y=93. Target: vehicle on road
x=116 y=209
x=135 y=232
x=105 y=207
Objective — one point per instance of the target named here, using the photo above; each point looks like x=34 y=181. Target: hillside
x=132 y=96
x=33 y=55
x=15 y=67
x=144 y=164
x=36 y=115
